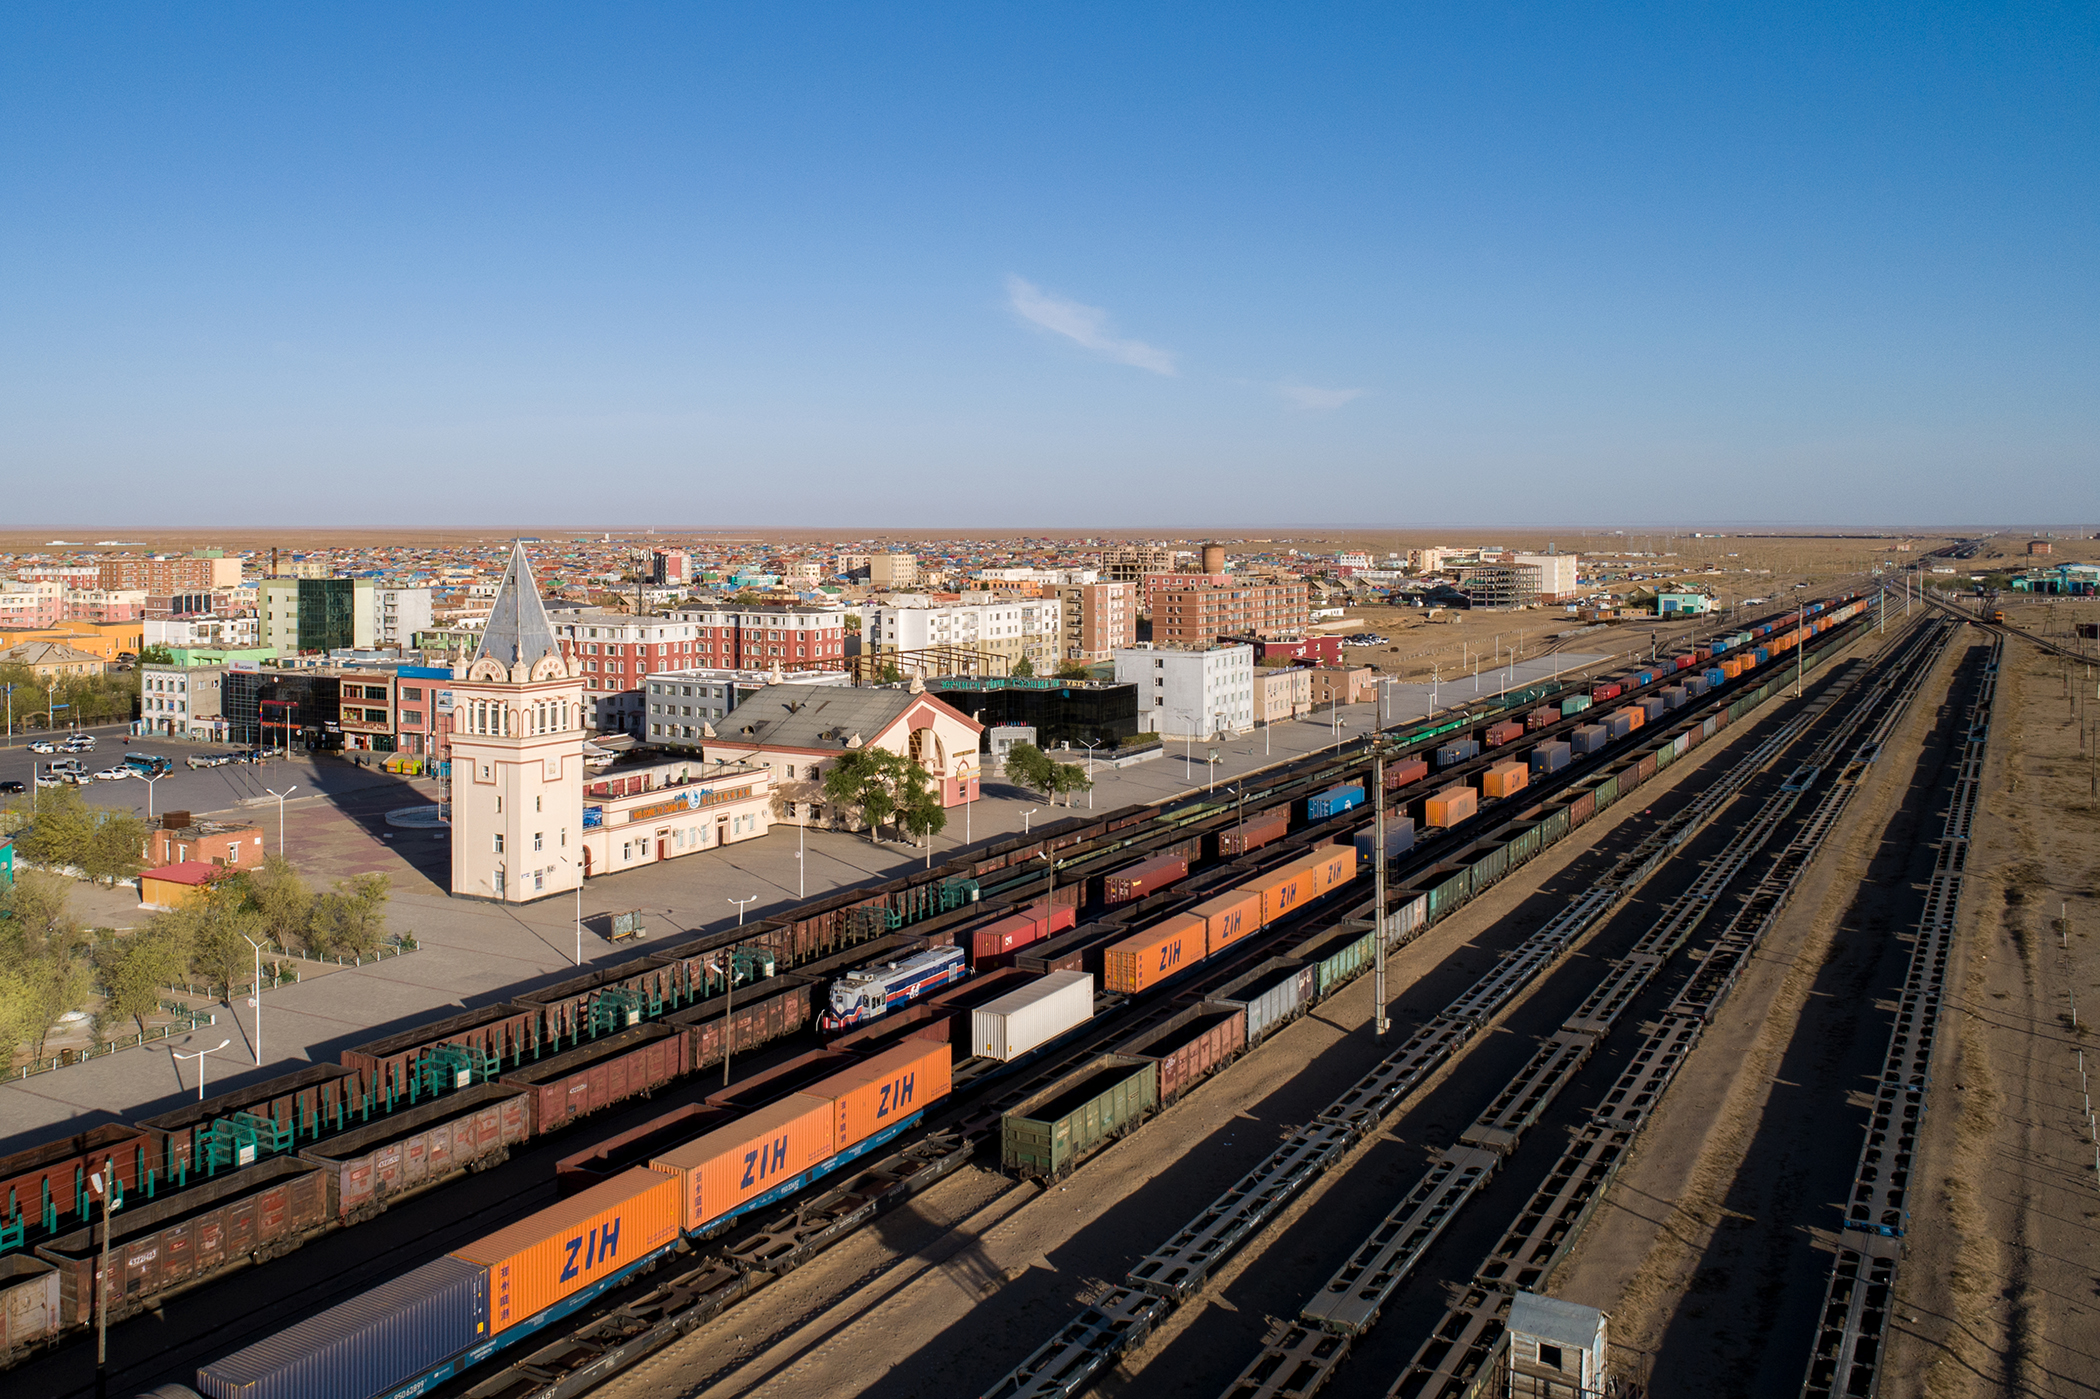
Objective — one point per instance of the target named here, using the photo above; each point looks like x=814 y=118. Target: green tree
x=116 y=847
x=214 y=927
x=136 y=966
x=1028 y=766
x=156 y=655
x=1075 y=670
x=865 y=780
x=1067 y=779
x=351 y=917
x=281 y=899
x=919 y=810
x=61 y=829
x=889 y=674
x=42 y=958
x=1023 y=669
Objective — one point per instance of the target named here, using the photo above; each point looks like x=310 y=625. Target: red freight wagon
x=1194 y=1043
x=1145 y=877
x=772 y=1009
x=599 y=1073
x=188 y=1236
x=47 y=1184
x=1258 y=830
x=1507 y=731
x=506 y=1033
x=417 y=1147
x=314 y=1101
x=769 y=1082
x=1607 y=690
x=1402 y=771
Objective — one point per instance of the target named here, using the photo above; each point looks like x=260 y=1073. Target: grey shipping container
x=1273 y=993
x=1654 y=707
x=1618 y=723
x=1694 y=686
x=1399 y=837
x=1672 y=695
x=394 y=1333
x=1457 y=751
x=1589 y=738
x=1053 y=1131
x=28 y=1302
x=1550 y=756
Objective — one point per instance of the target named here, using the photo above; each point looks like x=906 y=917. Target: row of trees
x=886 y=788
x=62 y=831
x=50 y=964
x=1029 y=766
x=88 y=699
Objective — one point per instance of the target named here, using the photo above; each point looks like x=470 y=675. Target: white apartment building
x=1556 y=574
x=682 y=703
x=1190 y=694
x=398 y=614
x=206 y=629
x=182 y=701
x=1015 y=628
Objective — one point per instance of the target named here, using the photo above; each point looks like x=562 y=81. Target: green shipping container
x=1050 y=1133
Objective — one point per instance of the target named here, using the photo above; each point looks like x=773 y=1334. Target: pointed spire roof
x=518 y=628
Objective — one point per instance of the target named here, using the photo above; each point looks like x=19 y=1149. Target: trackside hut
x=798 y=732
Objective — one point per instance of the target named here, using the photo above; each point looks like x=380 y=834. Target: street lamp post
x=280 y=813
x=256 y=1001
x=1378 y=888
x=199 y=1057
x=149 y=781
x=579 y=908
x=1025 y=816
x=107 y=1192
x=801 y=875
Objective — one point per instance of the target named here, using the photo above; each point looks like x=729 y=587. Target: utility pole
x=1378 y=887
x=108 y=1191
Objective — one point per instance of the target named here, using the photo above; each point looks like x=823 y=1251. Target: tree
x=889 y=674
x=865 y=779
x=282 y=901
x=1027 y=766
x=1075 y=670
x=135 y=967
x=61 y=829
x=1023 y=669
x=116 y=847
x=43 y=972
x=1068 y=778
x=156 y=655
x=213 y=927
x=351 y=918
x=919 y=810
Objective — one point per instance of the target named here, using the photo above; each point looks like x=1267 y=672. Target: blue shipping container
x=393 y=1333
x=1399 y=837
x=1716 y=676
x=1334 y=801
x=1550 y=756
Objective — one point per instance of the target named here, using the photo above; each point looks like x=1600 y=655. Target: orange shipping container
x=1635 y=716
x=565 y=1248
x=1450 y=806
x=1286 y=890
x=1332 y=866
x=1145 y=959
x=886 y=1089
x=742 y=1161
x=1228 y=918
x=1504 y=779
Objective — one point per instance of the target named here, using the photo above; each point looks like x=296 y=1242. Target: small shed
x=172 y=886
x=1556 y=1349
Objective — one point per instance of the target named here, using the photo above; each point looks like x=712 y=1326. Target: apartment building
x=785 y=638
x=683 y=703
x=670 y=568
x=1199 y=615
x=893 y=570
x=398 y=614
x=1007 y=630
x=32 y=602
x=1281 y=693
x=178 y=701
x=193 y=573
x=1098 y=619
x=1190 y=694
x=1556 y=574
x=618 y=653
x=1132 y=564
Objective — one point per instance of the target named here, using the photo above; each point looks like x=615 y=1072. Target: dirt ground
x=2000 y=1292
x=1712 y=1248
x=942 y=1297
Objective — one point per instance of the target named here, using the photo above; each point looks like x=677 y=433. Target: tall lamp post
x=579 y=907
x=199 y=1057
x=149 y=781
x=255 y=1001
x=110 y=1193
x=280 y=813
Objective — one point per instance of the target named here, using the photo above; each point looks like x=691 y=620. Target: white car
x=113 y=774
x=43 y=745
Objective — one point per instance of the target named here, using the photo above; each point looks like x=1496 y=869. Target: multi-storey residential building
x=1184 y=694
x=315 y=615
x=785 y=638
x=31 y=603
x=1156 y=583
x=206 y=629
x=1281 y=693
x=87 y=575
x=1132 y=564
x=1200 y=615
x=893 y=570
x=1004 y=630
x=1098 y=619
x=1557 y=574
x=105 y=605
x=617 y=653
x=178 y=701
x=169 y=575
x=670 y=568
x=682 y=703
x=367 y=711
x=398 y=614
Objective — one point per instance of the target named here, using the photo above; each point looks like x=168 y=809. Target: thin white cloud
x=1313 y=400
x=1084 y=325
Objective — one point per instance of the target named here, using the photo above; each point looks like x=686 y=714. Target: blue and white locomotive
x=861 y=996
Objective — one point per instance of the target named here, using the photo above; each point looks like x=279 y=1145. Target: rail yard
x=1114 y=1106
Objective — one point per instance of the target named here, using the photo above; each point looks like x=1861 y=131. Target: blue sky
x=1122 y=265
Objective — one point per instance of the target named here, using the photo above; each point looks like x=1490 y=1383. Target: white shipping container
x=1036 y=1014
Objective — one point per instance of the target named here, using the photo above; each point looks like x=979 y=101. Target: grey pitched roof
x=1551 y=1319
x=819 y=716
x=518 y=629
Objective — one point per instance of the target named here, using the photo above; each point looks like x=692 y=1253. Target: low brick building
x=225 y=844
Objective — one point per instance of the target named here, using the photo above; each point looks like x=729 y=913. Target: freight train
x=861 y=996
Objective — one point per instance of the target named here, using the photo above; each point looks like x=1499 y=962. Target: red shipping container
x=1255 y=831
x=1402 y=771
x=1018 y=930
x=1504 y=732
x=1145 y=877
x=1542 y=718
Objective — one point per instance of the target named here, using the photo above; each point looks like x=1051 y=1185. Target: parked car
x=211 y=760
x=113 y=774
x=79 y=743
x=12 y=788
x=53 y=780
